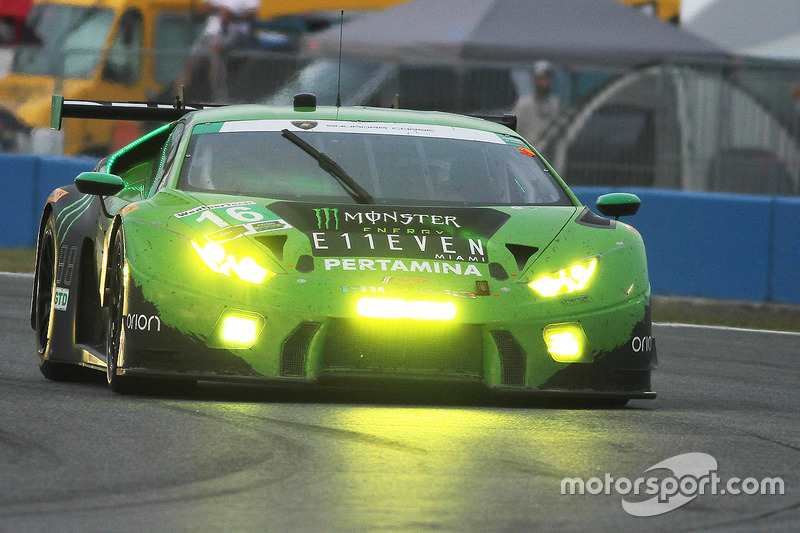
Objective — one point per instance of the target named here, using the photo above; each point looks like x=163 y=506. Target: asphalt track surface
x=76 y=457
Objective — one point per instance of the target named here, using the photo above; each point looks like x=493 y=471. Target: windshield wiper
x=359 y=194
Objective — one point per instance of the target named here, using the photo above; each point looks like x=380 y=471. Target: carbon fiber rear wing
x=507 y=120
x=100 y=109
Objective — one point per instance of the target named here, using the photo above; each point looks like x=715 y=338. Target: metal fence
x=724 y=127
x=728 y=127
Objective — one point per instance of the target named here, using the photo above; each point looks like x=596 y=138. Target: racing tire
x=115 y=331
x=44 y=295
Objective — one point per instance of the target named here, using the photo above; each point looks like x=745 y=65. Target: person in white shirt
x=539 y=107
x=227 y=27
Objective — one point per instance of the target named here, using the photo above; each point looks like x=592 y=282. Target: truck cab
x=121 y=49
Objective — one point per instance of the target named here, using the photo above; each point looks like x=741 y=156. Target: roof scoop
x=305 y=102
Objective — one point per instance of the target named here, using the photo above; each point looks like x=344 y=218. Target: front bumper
x=299 y=344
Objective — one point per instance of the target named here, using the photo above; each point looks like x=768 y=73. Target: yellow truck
x=120 y=50
x=669 y=10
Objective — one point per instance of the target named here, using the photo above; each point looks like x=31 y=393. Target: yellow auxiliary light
x=566 y=343
x=397 y=308
x=239 y=330
x=236 y=330
x=572 y=279
x=218 y=260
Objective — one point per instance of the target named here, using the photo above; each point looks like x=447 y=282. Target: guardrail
x=26 y=181
x=726 y=246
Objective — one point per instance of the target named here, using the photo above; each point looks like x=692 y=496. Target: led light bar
x=398 y=308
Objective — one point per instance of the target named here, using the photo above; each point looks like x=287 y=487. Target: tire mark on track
x=233 y=483
x=24 y=449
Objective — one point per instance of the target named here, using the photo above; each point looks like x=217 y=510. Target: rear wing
x=100 y=109
x=138 y=111
x=507 y=120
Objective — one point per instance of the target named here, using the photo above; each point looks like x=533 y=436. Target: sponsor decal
x=368 y=128
x=202 y=208
x=443 y=234
x=67 y=255
x=482 y=287
x=642 y=344
x=128 y=208
x=416 y=290
x=137 y=322
x=395 y=265
x=405 y=281
x=327 y=218
x=255 y=228
x=61 y=299
x=304 y=124
x=576 y=300
x=526 y=151
x=56 y=195
x=232 y=220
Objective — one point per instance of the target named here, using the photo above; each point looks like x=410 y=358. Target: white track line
x=21 y=275
x=723 y=328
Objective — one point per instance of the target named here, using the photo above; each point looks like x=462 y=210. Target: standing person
x=536 y=109
x=227 y=27
x=796 y=115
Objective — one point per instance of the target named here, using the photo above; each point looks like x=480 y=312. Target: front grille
x=404 y=346
x=295 y=350
x=512 y=358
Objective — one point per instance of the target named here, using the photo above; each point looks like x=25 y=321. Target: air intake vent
x=404 y=347
x=512 y=358
x=295 y=350
x=521 y=253
x=274 y=243
x=497 y=272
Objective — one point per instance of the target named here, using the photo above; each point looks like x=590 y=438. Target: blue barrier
x=26 y=181
x=785 y=268
x=18 y=182
x=727 y=246
x=698 y=244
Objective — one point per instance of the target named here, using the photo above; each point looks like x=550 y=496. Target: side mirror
x=99 y=183
x=618 y=204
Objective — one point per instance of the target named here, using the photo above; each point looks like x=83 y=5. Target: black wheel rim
x=44 y=291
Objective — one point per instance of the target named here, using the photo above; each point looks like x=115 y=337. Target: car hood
x=347 y=238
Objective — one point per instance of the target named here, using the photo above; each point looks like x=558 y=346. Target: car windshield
x=396 y=164
x=70 y=40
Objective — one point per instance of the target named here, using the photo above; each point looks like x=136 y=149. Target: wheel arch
x=46 y=213
x=116 y=224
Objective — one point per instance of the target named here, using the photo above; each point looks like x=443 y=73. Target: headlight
x=217 y=259
x=568 y=280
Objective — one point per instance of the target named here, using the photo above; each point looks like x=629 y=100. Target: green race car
x=337 y=245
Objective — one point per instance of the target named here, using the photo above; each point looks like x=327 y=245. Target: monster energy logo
x=326 y=216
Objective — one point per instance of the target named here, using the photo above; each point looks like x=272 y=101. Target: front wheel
x=117 y=307
x=117 y=276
